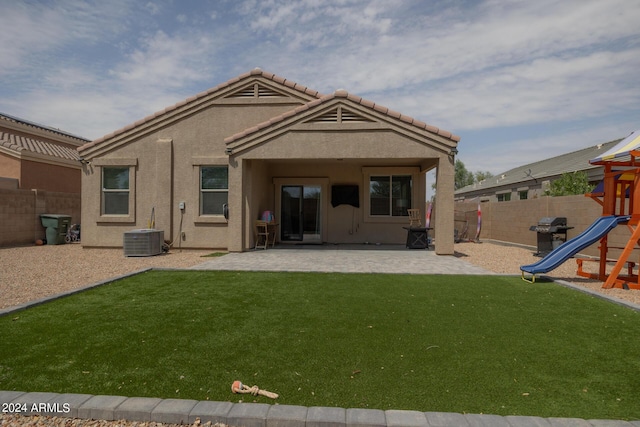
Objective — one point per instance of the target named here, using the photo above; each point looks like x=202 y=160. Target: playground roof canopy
x=622 y=149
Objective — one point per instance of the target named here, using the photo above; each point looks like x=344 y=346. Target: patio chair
x=262 y=234
x=414 y=218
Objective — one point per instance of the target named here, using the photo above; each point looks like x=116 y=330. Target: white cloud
x=163 y=61
x=47 y=31
x=496 y=64
x=545 y=90
x=462 y=66
x=153 y=8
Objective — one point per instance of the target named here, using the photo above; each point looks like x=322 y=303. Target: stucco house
x=34 y=156
x=331 y=168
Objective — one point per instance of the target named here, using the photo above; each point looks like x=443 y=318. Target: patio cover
x=622 y=149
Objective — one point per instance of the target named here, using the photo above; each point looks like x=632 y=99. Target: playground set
x=619 y=196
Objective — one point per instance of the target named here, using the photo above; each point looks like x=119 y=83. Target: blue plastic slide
x=600 y=228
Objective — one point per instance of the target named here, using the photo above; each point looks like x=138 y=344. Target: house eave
x=295 y=95
x=297 y=119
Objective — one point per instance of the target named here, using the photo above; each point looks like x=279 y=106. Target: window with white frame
x=214 y=189
x=389 y=195
x=115 y=190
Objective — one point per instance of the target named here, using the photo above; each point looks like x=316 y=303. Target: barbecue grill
x=551 y=233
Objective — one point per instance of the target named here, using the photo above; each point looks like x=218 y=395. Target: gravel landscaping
x=33 y=272
x=42 y=421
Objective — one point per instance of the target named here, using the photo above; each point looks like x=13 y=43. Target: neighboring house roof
x=27 y=140
x=304 y=92
x=17 y=144
x=542 y=170
x=27 y=126
x=356 y=99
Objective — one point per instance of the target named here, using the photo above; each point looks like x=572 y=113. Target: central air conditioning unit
x=143 y=242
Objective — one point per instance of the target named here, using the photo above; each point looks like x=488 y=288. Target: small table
x=417 y=237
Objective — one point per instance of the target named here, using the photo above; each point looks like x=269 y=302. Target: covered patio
x=339 y=171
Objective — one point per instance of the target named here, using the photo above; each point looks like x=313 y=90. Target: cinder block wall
x=20 y=213
x=17 y=209
x=510 y=221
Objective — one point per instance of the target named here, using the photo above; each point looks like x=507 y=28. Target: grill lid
x=553 y=221
x=551 y=224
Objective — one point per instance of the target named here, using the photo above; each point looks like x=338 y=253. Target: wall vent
x=340 y=115
x=350 y=116
x=328 y=117
x=143 y=242
x=256 y=91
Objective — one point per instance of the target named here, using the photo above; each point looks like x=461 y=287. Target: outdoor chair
x=414 y=218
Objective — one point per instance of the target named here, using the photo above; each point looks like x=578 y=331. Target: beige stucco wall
x=166 y=173
x=165 y=156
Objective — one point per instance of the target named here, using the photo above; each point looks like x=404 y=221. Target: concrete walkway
x=326 y=258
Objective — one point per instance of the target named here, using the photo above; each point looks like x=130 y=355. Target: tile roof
x=29 y=124
x=253 y=73
x=17 y=144
x=543 y=169
x=341 y=93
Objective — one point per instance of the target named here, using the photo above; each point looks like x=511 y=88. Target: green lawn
x=476 y=344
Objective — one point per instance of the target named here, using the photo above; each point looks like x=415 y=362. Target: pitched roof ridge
x=342 y=93
x=254 y=72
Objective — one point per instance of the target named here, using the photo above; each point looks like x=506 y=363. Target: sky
x=518 y=81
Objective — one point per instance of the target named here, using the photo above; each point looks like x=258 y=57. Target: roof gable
x=256 y=84
x=338 y=108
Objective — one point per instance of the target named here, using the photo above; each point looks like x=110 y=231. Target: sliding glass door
x=300 y=213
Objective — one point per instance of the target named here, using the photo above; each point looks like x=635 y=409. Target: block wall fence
x=510 y=221
x=20 y=213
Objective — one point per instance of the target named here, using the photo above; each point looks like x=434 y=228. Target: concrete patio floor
x=343 y=259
